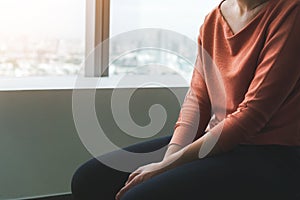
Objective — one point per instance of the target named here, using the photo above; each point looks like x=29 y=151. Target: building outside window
x=48 y=37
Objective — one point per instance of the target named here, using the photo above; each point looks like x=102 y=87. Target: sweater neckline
x=229 y=33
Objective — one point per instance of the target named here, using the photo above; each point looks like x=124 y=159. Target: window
x=182 y=17
x=53 y=37
x=41 y=37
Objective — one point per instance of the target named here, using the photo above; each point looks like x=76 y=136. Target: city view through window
x=182 y=17
x=41 y=37
x=47 y=37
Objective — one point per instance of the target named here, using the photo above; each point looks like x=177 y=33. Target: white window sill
x=69 y=83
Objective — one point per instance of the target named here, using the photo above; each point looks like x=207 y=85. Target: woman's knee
x=87 y=179
x=94 y=180
x=80 y=181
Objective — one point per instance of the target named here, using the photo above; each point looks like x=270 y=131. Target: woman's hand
x=140 y=175
x=144 y=173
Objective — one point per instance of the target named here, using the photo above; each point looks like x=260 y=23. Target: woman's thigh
x=96 y=180
x=245 y=173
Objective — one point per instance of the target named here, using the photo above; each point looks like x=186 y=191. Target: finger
x=131 y=177
x=131 y=184
x=134 y=174
x=123 y=191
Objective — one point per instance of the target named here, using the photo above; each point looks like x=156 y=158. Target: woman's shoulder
x=281 y=7
x=281 y=11
x=276 y=12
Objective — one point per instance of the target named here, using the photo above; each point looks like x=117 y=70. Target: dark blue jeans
x=248 y=172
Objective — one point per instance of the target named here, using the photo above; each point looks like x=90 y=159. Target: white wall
x=39 y=145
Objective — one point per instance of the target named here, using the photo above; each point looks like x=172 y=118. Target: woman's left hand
x=140 y=175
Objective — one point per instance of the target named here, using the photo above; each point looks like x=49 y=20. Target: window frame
x=97 y=31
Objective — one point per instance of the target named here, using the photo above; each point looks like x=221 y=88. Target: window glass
x=41 y=37
x=182 y=17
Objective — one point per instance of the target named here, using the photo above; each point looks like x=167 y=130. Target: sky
x=66 y=18
x=49 y=18
x=183 y=16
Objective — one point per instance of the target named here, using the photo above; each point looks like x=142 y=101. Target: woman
x=254 y=45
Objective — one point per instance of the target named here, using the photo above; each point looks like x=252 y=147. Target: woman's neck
x=248 y=5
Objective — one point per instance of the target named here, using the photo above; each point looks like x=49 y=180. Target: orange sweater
x=255 y=98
